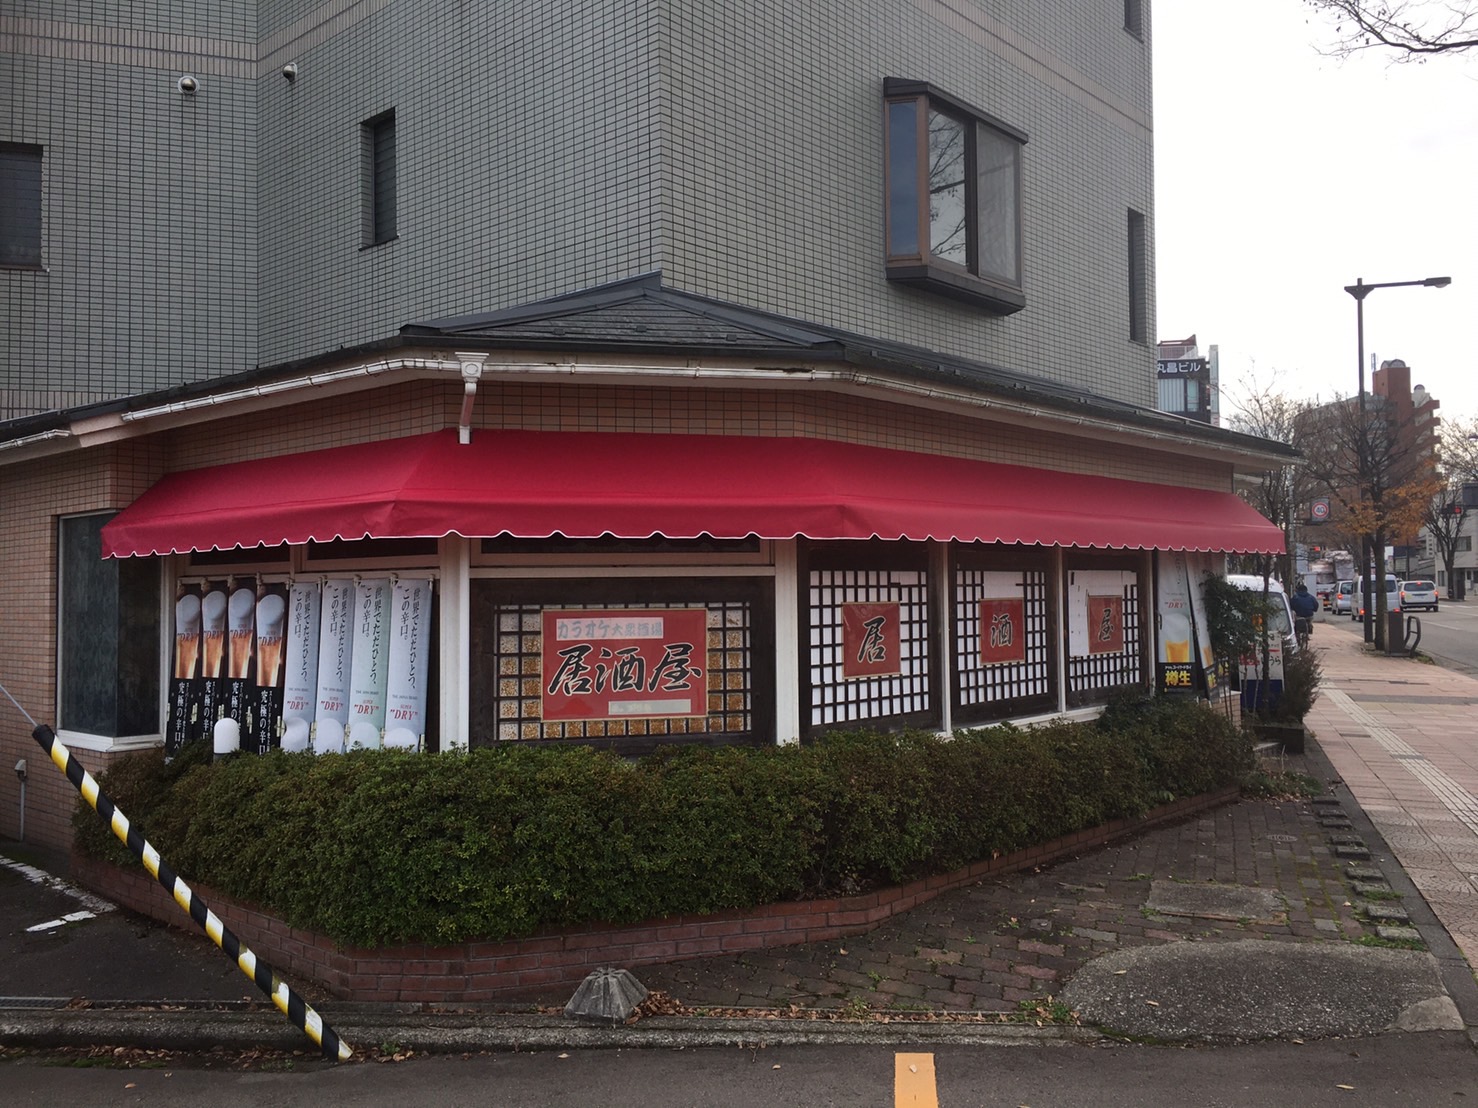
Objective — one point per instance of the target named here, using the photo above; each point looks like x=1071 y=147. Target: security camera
x=20 y=769
x=187 y=84
x=290 y=71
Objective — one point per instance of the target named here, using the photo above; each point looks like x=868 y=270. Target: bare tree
x=1282 y=494
x=1412 y=29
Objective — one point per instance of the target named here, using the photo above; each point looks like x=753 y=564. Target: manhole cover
x=1282 y=838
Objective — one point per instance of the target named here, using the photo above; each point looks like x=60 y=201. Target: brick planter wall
x=475 y=972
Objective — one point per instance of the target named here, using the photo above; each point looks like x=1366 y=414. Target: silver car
x=1418 y=594
x=1344 y=595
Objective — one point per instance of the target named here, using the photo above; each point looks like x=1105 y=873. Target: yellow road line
x=913 y=1081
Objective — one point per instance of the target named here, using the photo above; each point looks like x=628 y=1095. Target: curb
x=451 y=1033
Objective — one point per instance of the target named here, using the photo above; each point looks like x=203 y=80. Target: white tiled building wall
x=543 y=147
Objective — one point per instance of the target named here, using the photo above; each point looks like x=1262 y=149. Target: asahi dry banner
x=410 y=641
x=871 y=641
x=369 y=669
x=300 y=676
x=335 y=657
x=241 y=639
x=623 y=664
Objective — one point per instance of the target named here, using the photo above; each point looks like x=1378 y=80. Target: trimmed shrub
x=379 y=847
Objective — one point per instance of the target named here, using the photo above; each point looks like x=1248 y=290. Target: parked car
x=1418 y=594
x=1342 y=597
x=1281 y=623
x=1393 y=597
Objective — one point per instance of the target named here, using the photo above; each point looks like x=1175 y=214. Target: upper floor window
x=20 y=205
x=1139 y=282
x=953 y=181
x=379 y=179
x=1134 y=18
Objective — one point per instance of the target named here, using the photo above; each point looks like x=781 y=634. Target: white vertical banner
x=410 y=652
x=300 y=683
x=335 y=657
x=369 y=668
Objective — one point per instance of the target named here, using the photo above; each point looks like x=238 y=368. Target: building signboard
x=608 y=663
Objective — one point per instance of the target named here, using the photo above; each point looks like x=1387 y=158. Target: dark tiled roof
x=640 y=315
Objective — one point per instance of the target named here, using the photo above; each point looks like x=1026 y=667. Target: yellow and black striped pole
x=287 y=1001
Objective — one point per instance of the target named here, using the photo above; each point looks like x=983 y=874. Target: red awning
x=536 y=484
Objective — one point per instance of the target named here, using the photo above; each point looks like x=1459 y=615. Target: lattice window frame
x=1092 y=679
x=986 y=693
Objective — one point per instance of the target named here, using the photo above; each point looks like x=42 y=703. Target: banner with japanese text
x=410 y=641
x=369 y=669
x=335 y=659
x=871 y=640
x=605 y=664
x=300 y=677
x=1002 y=630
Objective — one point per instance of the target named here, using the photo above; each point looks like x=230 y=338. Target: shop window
x=1003 y=635
x=622 y=678
x=1105 y=630
x=867 y=659
x=953 y=180
x=108 y=635
x=378 y=145
x=20 y=206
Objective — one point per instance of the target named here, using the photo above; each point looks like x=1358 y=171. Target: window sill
x=79 y=740
x=956 y=285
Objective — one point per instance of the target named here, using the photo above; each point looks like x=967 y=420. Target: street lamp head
x=1437 y=282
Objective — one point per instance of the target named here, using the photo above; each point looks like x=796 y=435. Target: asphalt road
x=1449 y=636
x=1433 y=1068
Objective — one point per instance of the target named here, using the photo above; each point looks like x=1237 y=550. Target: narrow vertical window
x=379 y=179
x=107 y=633
x=20 y=206
x=1139 y=308
x=1133 y=18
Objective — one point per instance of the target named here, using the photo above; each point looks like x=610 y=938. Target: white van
x=1282 y=620
x=1393 y=597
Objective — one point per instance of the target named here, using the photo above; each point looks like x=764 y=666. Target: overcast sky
x=1282 y=176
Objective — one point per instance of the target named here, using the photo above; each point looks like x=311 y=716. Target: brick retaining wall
x=473 y=972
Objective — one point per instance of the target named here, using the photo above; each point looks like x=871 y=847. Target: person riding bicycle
x=1304 y=605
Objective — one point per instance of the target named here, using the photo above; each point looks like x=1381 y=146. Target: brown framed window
x=510 y=665
x=953 y=182
x=20 y=205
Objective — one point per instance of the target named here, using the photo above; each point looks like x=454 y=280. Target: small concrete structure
x=607 y=995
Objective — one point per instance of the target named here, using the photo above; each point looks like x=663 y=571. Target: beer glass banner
x=335 y=658
x=622 y=664
x=212 y=655
x=300 y=680
x=368 y=669
x=241 y=609
x=871 y=641
x=1002 y=630
x=410 y=641
x=1181 y=650
x=271 y=633
x=180 y=727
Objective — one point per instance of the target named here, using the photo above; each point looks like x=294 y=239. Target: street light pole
x=1360 y=290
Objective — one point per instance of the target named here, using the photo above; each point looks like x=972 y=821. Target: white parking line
x=93 y=905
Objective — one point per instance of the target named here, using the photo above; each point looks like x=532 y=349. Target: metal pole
x=1362 y=445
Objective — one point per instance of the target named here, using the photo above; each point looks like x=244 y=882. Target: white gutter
x=32 y=440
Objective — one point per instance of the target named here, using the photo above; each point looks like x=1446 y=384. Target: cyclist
x=1304 y=605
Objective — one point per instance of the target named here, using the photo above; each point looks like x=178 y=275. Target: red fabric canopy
x=535 y=484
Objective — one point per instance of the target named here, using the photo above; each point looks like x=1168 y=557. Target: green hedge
x=379 y=847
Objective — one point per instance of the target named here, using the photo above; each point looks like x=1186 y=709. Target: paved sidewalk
x=1403 y=737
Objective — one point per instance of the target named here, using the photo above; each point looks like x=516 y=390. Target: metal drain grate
x=34 y=1001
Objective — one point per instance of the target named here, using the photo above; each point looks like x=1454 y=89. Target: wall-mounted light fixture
x=290 y=71
x=187 y=84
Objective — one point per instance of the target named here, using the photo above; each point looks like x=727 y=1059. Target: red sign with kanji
x=870 y=640
x=644 y=663
x=1105 y=625
x=1002 y=630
